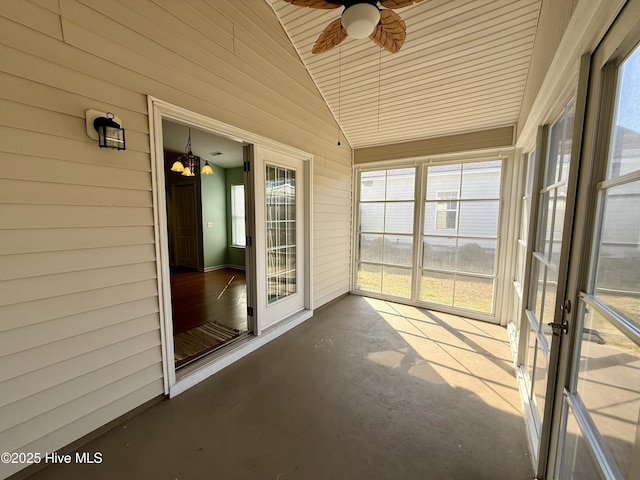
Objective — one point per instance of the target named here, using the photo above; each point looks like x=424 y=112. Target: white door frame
x=159 y=110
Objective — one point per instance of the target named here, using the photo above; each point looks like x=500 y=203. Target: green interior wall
x=214 y=211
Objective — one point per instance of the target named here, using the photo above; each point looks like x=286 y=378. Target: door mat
x=198 y=341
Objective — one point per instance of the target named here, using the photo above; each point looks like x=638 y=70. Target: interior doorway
x=205 y=210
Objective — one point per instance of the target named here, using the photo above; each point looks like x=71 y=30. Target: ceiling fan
x=361 y=19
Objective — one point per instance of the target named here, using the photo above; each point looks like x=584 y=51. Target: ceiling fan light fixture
x=360 y=19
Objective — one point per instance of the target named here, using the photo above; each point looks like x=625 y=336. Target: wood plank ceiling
x=463 y=68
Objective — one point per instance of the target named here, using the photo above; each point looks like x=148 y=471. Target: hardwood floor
x=217 y=296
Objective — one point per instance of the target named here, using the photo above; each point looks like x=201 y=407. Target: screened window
x=385 y=231
x=460 y=236
x=440 y=250
x=238 y=237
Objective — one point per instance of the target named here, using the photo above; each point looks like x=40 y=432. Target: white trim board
x=587 y=27
x=159 y=110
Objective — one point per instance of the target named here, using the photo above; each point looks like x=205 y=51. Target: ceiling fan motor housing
x=359 y=19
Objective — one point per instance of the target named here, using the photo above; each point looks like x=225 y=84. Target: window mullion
x=418 y=229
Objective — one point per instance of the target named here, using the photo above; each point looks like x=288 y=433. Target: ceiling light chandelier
x=188 y=163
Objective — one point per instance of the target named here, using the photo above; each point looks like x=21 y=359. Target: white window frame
x=237 y=241
x=446 y=202
x=507 y=156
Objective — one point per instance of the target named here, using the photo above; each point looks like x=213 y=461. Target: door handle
x=559 y=328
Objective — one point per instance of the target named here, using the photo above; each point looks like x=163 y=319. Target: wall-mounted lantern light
x=106 y=128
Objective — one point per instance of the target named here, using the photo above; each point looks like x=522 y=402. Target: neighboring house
x=84 y=335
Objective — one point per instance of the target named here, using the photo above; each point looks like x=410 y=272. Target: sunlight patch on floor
x=453 y=350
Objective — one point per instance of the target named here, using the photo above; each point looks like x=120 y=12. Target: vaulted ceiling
x=462 y=68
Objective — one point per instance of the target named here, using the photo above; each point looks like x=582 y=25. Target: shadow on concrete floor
x=366 y=389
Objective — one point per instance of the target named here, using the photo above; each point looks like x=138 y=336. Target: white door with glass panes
x=600 y=419
x=539 y=340
x=281 y=235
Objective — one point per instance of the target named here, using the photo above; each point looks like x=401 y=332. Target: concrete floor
x=364 y=390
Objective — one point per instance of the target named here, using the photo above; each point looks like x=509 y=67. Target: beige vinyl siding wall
x=552 y=24
x=464 y=142
x=79 y=325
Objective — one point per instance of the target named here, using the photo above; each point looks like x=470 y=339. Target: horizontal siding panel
x=97 y=326
x=46 y=400
x=330 y=251
x=106 y=365
x=338 y=282
x=39 y=68
x=321 y=182
x=31 y=193
x=211 y=25
x=175 y=71
x=333 y=191
x=34 y=119
x=14 y=267
x=235 y=63
x=28 y=289
x=325 y=168
x=79 y=302
x=331 y=196
x=325 y=296
x=332 y=265
x=61 y=239
x=344 y=225
x=339 y=214
x=343 y=233
x=25 y=433
x=33 y=16
x=47 y=97
x=88 y=423
x=343 y=208
x=13 y=140
x=42 y=169
x=52 y=5
x=494 y=138
x=337 y=243
x=48 y=216
x=23 y=314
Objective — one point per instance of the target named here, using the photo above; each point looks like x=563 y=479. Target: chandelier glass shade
x=188 y=163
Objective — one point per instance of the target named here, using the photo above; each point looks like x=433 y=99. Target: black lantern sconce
x=106 y=128
x=110 y=133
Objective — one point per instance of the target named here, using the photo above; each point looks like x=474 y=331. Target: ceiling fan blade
x=331 y=36
x=325 y=4
x=391 y=32
x=396 y=3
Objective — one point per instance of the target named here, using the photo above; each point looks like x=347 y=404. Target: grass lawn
x=476 y=294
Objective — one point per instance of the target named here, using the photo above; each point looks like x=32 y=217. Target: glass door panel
x=281 y=235
x=542 y=304
x=281 y=232
x=602 y=400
